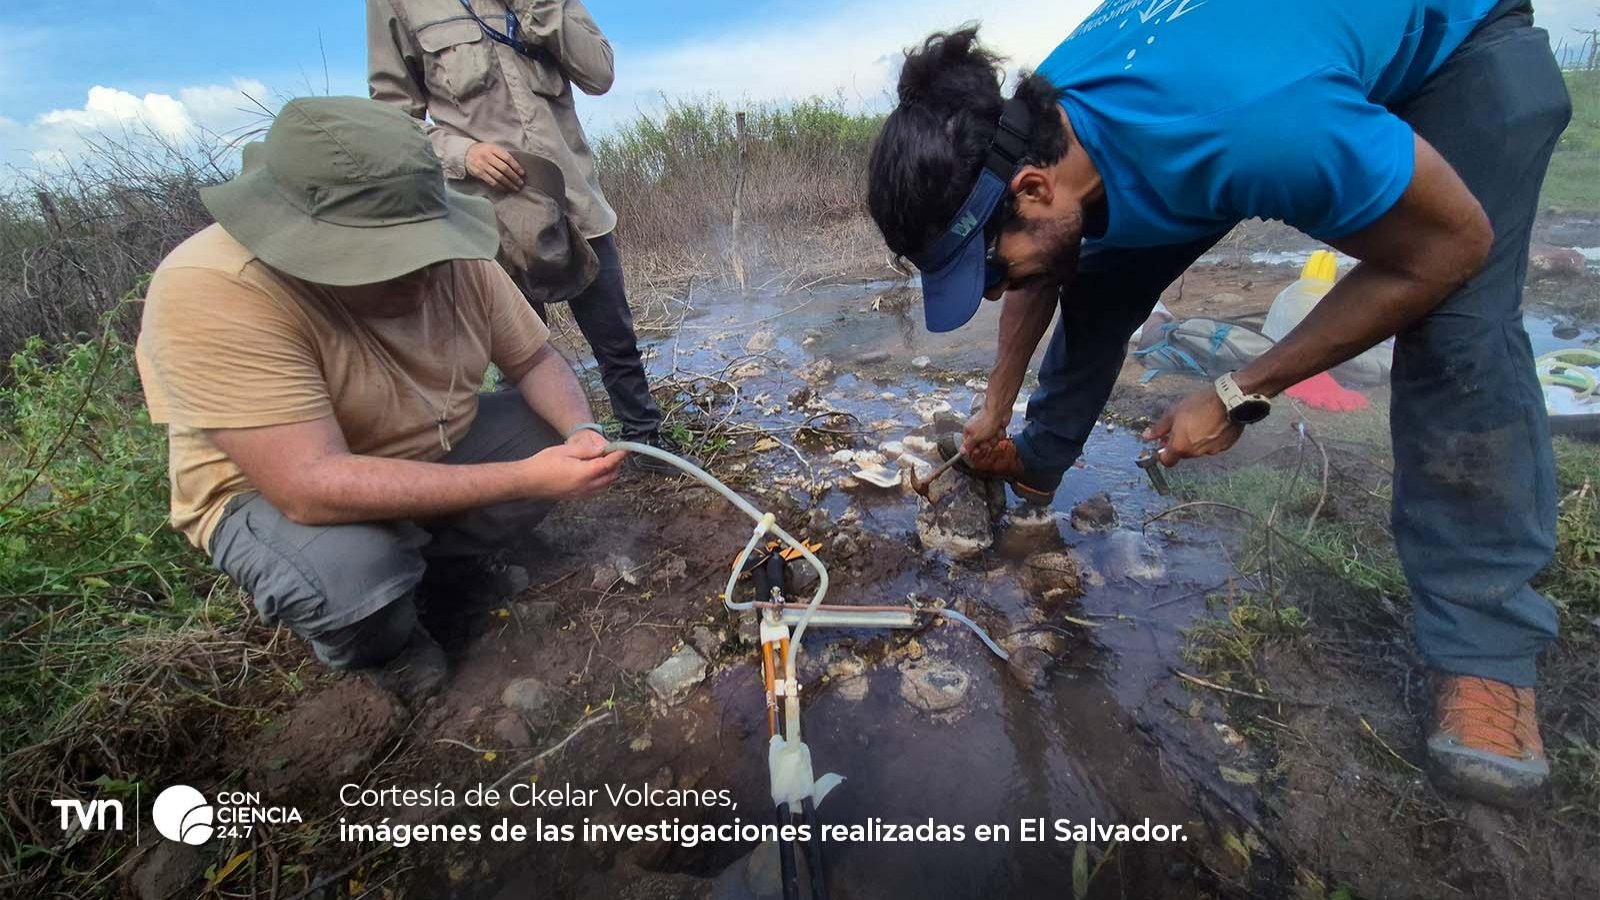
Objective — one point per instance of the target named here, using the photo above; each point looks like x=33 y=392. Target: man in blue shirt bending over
x=1412 y=135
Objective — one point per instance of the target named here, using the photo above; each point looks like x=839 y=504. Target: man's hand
x=495 y=166
x=1197 y=426
x=984 y=429
x=567 y=472
x=590 y=443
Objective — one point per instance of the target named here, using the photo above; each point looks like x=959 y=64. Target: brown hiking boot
x=1485 y=742
x=1000 y=461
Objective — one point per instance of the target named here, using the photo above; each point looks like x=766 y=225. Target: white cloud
x=197 y=116
x=109 y=109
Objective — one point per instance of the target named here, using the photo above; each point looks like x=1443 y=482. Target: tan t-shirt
x=228 y=342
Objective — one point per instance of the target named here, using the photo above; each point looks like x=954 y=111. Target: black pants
x=1474 y=490
x=603 y=317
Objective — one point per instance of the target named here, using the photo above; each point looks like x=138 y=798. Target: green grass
x=1573 y=182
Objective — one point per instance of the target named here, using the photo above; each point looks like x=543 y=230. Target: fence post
x=738 y=203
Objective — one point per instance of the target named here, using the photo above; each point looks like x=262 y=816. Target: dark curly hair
x=926 y=159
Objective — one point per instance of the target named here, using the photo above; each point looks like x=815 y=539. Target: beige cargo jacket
x=430 y=58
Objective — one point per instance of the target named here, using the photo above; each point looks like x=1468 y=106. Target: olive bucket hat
x=346 y=191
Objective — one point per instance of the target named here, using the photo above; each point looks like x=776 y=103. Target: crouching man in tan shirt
x=316 y=356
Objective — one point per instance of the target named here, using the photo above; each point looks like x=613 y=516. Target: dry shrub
x=671 y=179
x=74 y=240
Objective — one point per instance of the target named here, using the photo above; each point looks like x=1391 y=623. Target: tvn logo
x=181 y=814
x=89 y=815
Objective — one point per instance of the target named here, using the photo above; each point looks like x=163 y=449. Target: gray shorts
x=318 y=579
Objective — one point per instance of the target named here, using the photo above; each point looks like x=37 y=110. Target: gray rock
x=705 y=641
x=819 y=372
x=165 y=871
x=844 y=546
x=528 y=696
x=674 y=678
x=1130 y=555
x=1095 y=514
x=921 y=362
x=848 y=675
x=818 y=521
x=512 y=733
x=933 y=686
x=956 y=517
x=669 y=570
x=947 y=421
x=873 y=357
x=1051 y=576
x=1545 y=261
x=536 y=613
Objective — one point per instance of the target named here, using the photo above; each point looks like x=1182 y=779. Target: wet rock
x=1051 y=577
x=749 y=628
x=921 y=446
x=921 y=362
x=512 y=733
x=746 y=371
x=956 y=518
x=947 y=422
x=928 y=407
x=165 y=871
x=799 y=397
x=1095 y=514
x=848 y=675
x=873 y=358
x=818 y=521
x=1131 y=555
x=1029 y=529
x=667 y=571
x=761 y=341
x=844 y=546
x=976 y=405
x=1562 y=263
x=933 y=686
x=674 y=678
x=1033 y=654
x=528 y=696
x=705 y=641
x=819 y=372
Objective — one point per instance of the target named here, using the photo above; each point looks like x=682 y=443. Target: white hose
x=766 y=522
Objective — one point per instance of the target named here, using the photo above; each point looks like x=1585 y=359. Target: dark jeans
x=349 y=589
x=1474 y=492
x=606 y=322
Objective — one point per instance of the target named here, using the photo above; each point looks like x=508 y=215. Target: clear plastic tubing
x=765 y=522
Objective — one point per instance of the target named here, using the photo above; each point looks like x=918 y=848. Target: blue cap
x=954 y=267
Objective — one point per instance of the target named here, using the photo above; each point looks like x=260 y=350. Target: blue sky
x=70 y=68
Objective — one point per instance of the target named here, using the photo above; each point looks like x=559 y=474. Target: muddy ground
x=1095 y=722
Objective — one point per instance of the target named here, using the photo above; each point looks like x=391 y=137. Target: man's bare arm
x=1024 y=318
x=307 y=471
x=552 y=391
x=1433 y=239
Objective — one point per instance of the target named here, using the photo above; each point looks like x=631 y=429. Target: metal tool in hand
x=1150 y=462
x=921 y=485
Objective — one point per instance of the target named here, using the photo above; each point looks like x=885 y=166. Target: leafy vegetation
x=1573 y=183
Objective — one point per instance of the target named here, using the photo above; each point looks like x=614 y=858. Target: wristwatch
x=1243 y=409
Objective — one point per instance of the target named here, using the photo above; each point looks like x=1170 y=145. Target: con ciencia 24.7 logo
x=181 y=813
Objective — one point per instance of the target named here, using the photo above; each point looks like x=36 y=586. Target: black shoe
x=416 y=673
x=639 y=462
x=471 y=584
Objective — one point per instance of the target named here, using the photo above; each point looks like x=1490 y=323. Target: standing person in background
x=492 y=81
